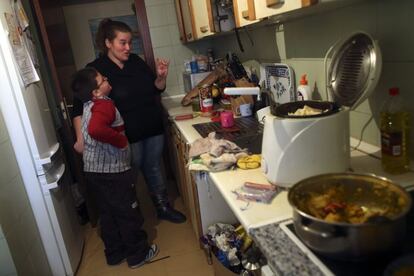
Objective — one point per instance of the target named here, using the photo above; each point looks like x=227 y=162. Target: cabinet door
x=266 y=8
x=188 y=20
x=244 y=12
x=180 y=21
x=203 y=18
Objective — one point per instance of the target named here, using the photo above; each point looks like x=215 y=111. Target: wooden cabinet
x=178 y=152
x=244 y=12
x=195 y=19
x=266 y=8
x=203 y=201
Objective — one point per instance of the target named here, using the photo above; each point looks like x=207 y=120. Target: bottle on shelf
x=394 y=127
x=304 y=92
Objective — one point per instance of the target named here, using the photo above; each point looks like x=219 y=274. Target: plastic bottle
x=304 y=92
x=394 y=126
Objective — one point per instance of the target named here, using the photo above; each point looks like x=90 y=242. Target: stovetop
x=286 y=254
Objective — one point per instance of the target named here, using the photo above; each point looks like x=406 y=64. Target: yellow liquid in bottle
x=395 y=142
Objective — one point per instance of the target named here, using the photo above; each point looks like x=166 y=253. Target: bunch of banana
x=249 y=162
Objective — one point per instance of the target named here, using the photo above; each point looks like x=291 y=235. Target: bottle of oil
x=394 y=135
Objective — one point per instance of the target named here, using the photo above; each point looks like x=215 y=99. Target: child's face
x=103 y=86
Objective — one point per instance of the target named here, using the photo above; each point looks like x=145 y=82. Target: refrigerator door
x=59 y=201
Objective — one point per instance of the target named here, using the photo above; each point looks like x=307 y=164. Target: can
x=206 y=99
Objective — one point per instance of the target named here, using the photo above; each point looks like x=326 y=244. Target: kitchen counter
x=256 y=214
x=262 y=220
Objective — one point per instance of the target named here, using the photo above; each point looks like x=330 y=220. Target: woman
x=134 y=91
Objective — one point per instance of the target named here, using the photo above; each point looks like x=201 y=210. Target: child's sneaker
x=152 y=252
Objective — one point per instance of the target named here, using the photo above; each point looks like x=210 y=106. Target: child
x=108 y=172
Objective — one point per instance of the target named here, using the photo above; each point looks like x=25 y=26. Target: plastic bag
x=256 y=192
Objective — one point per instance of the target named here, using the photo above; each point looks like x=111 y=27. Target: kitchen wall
x=302 y=43
x=19 y=230
x=164 y=33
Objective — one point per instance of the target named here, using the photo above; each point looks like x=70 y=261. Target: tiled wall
x=303 y=42
x=16 y=218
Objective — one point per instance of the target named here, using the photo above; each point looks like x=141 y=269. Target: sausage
x=183 y=117
x=252 y=185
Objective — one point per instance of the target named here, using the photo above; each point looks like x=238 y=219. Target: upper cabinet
x=195 y=19
x=244 y=12
x=201 y=18
x=266 y=8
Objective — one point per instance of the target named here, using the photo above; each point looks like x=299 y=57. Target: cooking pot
x=343 y=240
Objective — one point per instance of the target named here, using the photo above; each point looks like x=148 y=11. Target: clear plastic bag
x=256 y=192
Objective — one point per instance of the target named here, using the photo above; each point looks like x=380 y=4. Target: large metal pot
x=346 y=241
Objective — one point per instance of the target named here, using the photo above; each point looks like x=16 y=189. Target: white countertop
x=255 y=214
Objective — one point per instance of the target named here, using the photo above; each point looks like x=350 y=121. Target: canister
x=206 y=99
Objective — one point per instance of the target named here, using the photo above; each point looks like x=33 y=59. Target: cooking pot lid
x=354 y=69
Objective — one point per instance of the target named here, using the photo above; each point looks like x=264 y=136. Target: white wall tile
x=13 y=203
x=149 y=3
x=6 y=261
x=8 y=168
x=160 y=36
x=157 y=15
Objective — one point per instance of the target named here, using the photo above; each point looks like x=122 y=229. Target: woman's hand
x=161 y=66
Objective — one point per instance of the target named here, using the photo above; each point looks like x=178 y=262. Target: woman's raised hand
x=161 y=66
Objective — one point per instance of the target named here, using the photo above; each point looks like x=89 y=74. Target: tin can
x=206 y=99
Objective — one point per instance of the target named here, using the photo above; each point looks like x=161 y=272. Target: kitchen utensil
x=296 y=147
x=342 y=240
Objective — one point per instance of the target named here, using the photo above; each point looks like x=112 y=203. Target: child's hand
x=79 y=146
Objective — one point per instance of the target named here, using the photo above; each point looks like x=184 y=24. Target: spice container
x=206 y=100
x=195 y=104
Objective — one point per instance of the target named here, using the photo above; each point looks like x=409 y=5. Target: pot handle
x=324 y=235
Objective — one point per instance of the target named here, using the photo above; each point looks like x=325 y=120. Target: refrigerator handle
x=53 y=183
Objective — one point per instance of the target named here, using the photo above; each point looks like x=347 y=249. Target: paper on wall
x=23 y=60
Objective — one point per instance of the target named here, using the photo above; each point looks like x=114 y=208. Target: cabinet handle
x=306 y=3
x=271 y=3
x=204 y=29
x=245 y=14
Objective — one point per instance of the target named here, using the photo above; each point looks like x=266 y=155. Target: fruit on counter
x=249 y=162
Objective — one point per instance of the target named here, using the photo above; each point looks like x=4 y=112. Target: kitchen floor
x=174 y=240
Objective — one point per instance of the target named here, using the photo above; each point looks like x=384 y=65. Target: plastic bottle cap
x=303 y=80
x=394 y=91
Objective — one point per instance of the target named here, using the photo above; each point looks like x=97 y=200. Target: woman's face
x=120 y=47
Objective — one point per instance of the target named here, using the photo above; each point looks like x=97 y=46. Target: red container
x=206 y=99
x=226 y=119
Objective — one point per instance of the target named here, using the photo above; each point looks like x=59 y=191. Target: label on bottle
x=391 y=143
x=300 y=96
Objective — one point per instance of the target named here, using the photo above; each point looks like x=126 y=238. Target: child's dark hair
x=83 y=83
x=107 y=30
